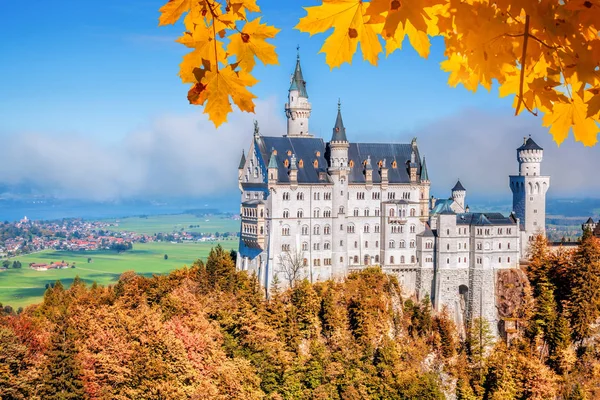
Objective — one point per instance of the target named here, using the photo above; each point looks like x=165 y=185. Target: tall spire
x=242 y=161
x=298 y=82
x=339 y=132
x=424 y=174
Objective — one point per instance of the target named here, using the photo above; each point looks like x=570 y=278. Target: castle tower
x=458 y=195
x=529 y=192
x=297 y=109
x=339 y=170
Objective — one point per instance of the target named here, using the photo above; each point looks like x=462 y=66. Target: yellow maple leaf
x=571 y=114
x=348 y=19
x=251 y=42
x=205 y=46
x=215 y=86
x=170 y=12
x=593 y=104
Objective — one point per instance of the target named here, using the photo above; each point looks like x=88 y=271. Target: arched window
x=286 y=195
x=300 y=214
x=327 y=230
x=376 y=228
x=304 y=246
x=356 y=212
x=286 y=214
x=366 y=212
x=300 y=196
x=285 y=231
x=327 y=213
x=391 y=244
x=316 y=213
x=412 y=229
x=341 y=210
x=367 y=259
x=412 y=212
x=327 y=246
x=402 y=260
x=392 y=212
x=355 y=259
x=304 y=230
x=412 y=259
x=412 y=244
x=262 y=230
x=316 y=230
x=391 y=259
x=402 y=244
x=366 y=228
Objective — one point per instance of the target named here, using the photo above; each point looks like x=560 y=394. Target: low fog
x=185 y=156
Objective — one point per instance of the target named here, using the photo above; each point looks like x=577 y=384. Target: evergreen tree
x=61 y=378
x=220 y=269
x=584 y=301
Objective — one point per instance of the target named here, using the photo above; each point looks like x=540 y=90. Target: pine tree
x=61 y=378
x=220 y=269
x=584 y=301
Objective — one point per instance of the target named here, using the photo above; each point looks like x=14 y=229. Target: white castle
x=319 y=210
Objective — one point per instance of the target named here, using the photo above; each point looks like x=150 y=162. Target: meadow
x=21 y=287
x=152 y=224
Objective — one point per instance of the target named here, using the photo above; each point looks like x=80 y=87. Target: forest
x=209 y=332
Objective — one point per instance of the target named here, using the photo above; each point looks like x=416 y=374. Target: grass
x=172 y=223
x=21 y=287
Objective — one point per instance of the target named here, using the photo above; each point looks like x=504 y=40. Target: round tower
x=297 y=109
x=459 y=193
x=529 y=192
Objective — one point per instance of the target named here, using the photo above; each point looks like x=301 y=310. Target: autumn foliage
x=208 y=332
x=544 y=53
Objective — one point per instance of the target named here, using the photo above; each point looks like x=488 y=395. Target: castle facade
x=319 y=210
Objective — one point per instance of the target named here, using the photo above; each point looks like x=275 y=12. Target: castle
x=319 y=210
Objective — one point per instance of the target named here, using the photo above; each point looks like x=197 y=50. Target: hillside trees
x=544 y=53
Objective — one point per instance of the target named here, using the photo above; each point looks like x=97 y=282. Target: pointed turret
x=273 y=168
x=458 y=187
x=424 y=174
x=273 y=160
x=242 y=161
x=458 y=195
x=339 y=132
x=297 y=109
x=298 y=83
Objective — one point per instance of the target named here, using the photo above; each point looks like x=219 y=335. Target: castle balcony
x=397 y=220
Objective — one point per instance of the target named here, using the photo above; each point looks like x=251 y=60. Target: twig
x=522 y=78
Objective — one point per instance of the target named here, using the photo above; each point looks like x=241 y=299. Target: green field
x=175 y=223
x=21 y=287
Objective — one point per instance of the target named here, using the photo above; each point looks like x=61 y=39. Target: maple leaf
x=214 y=87
x=572 y=114
x=205 y=46
x=593 y=104
x=171 y=11
x=348 y=19
x=251 y=42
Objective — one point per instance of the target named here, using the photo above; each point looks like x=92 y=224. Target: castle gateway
x=319 y=210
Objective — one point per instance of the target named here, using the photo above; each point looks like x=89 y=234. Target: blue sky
x=104 y=74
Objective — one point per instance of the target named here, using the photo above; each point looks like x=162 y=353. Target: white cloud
x=177 y=155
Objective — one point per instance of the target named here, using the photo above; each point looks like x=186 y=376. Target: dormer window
x=289 y=153
x=394 y=164
x=316 y=164
x=301 y=164
x=286 y=163
x=351 y=164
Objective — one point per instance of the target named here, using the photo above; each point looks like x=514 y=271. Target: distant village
x=27 y=236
